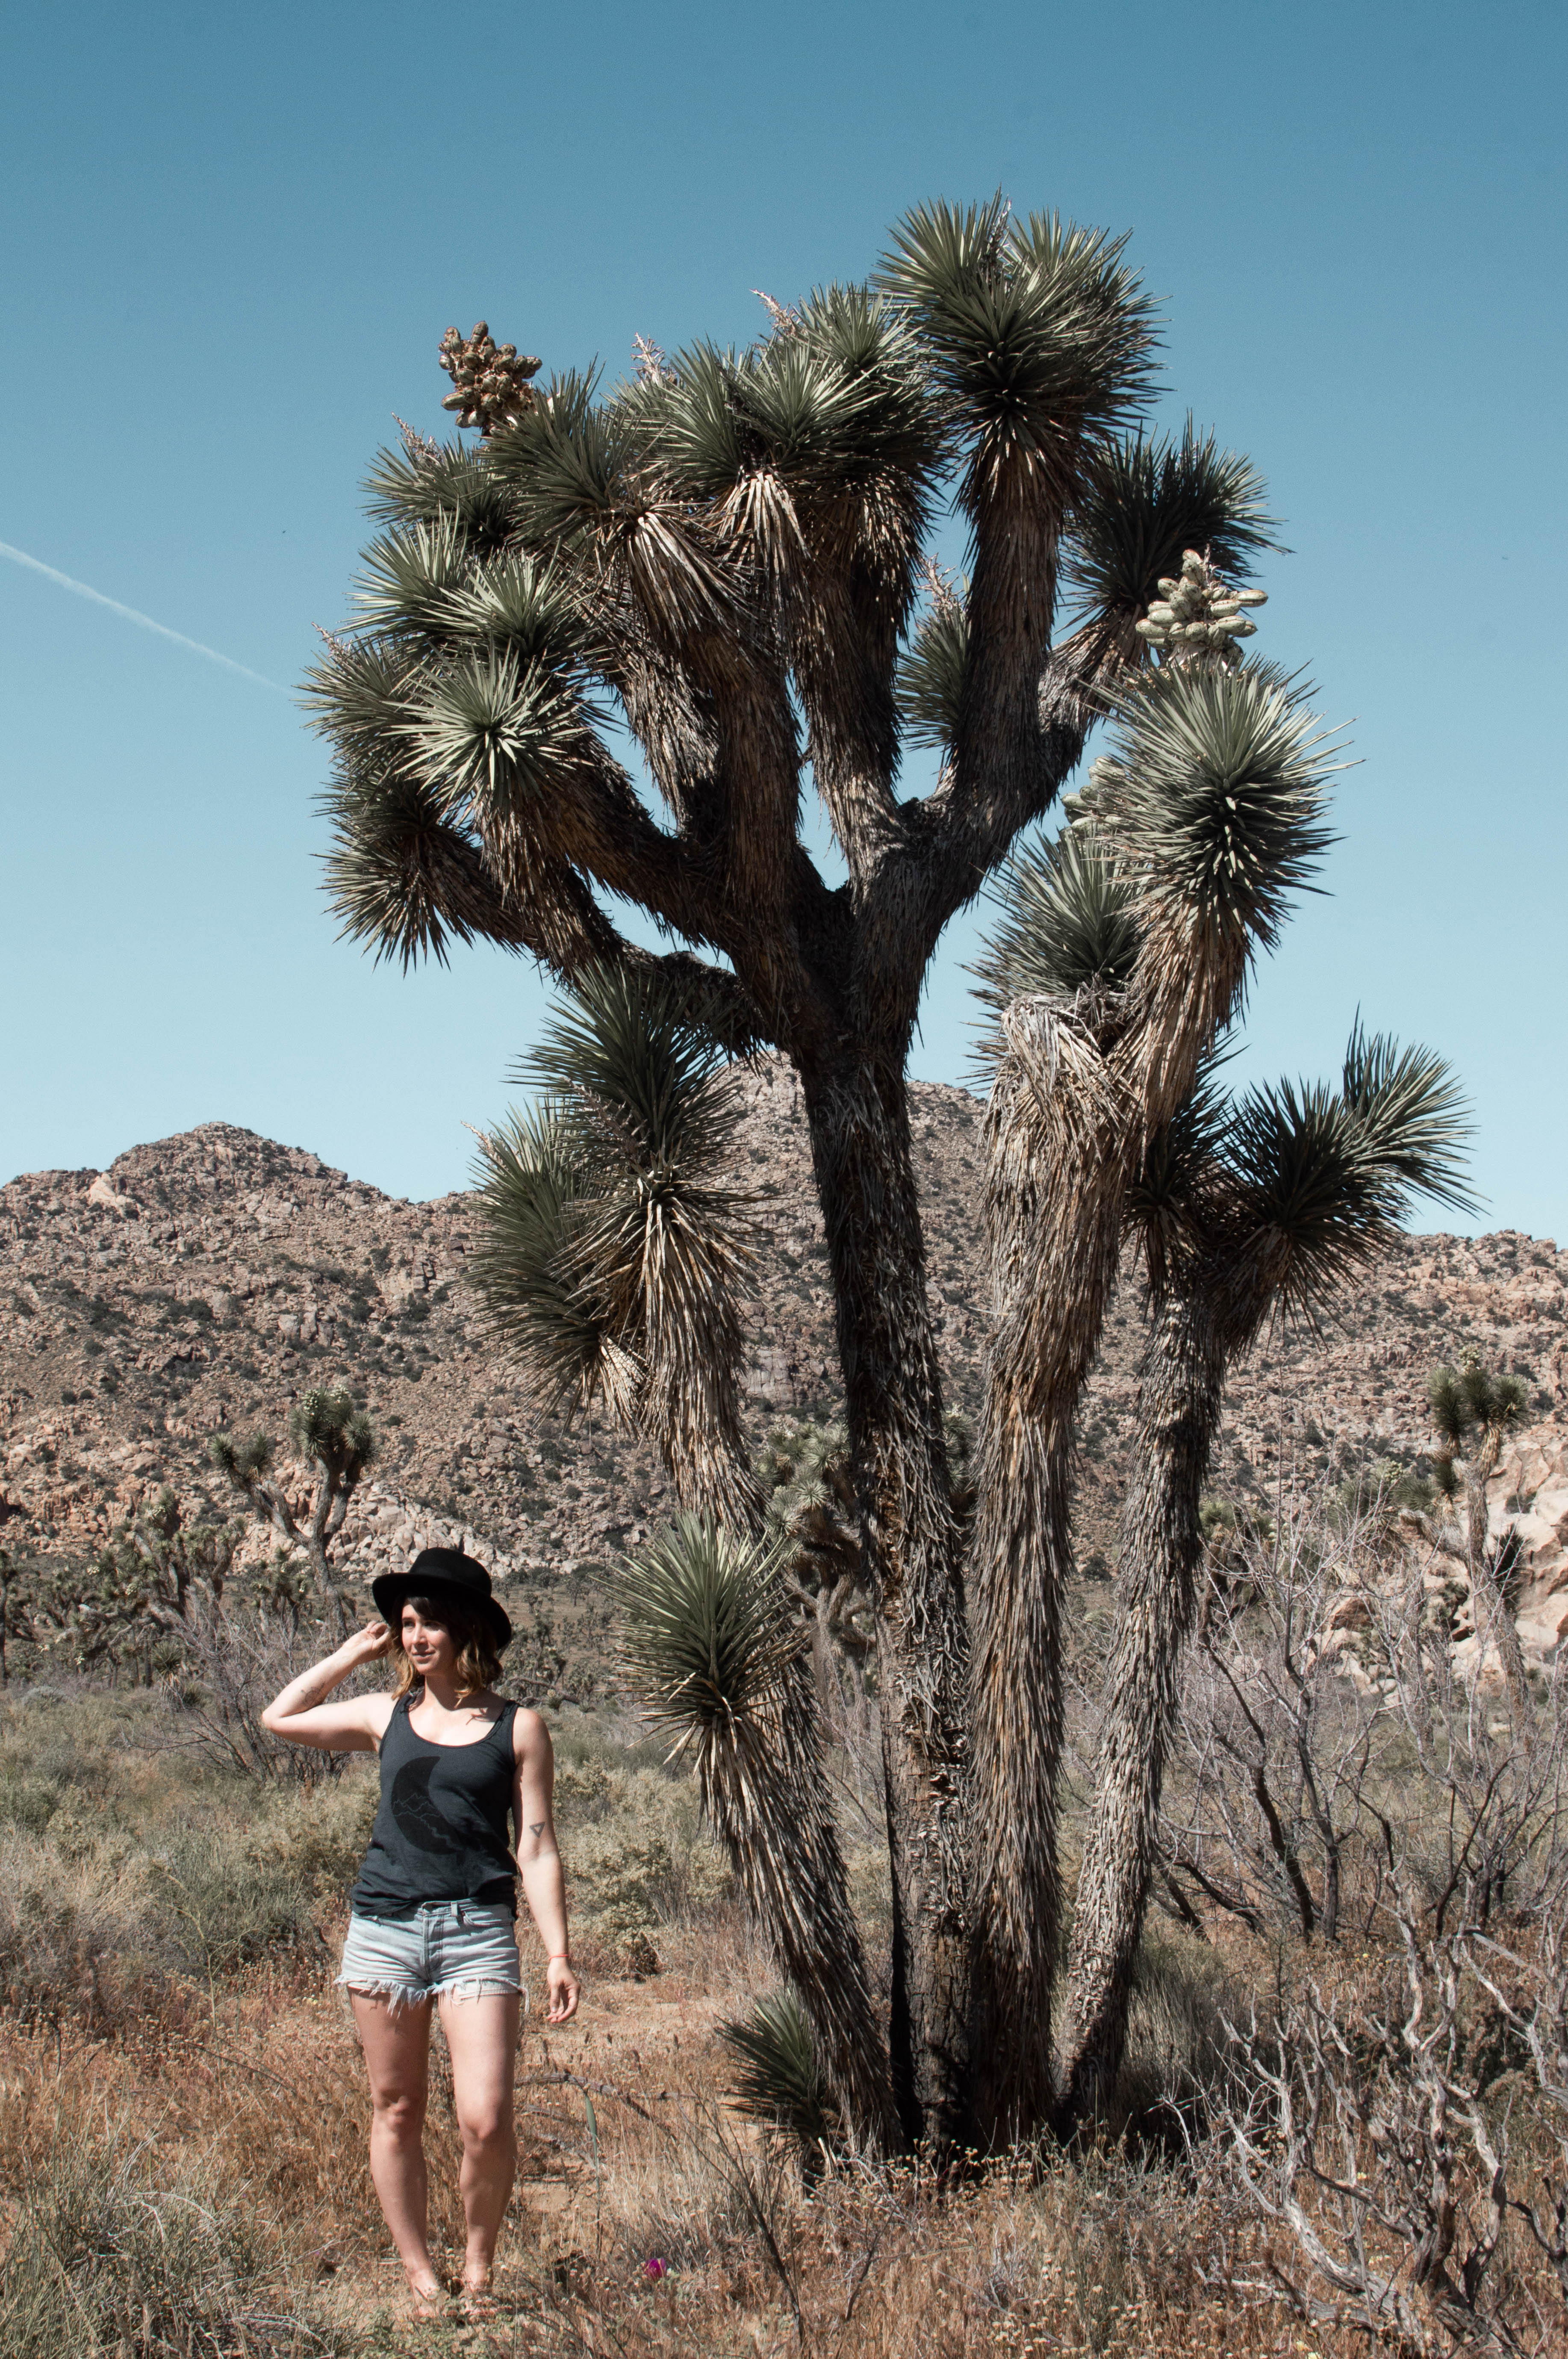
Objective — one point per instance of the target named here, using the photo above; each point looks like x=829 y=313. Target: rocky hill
x=206 y=1279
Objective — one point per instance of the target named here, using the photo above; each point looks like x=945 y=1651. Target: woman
x=434 y=1906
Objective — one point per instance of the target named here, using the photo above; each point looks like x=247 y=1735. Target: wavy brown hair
x=479 y=1657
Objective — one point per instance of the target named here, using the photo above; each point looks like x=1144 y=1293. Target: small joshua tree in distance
x=335 y=1442
x=1473 y=1411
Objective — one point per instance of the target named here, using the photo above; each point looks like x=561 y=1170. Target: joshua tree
x=714 y=553
x=1473 y=1411
x=1242 y=1213
x=335 y=1444
x=1123 y=950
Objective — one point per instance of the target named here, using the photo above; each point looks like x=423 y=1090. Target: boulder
x=107 y=1197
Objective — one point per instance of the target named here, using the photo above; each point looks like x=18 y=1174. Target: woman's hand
x=366 y=1645
x=564 y=1989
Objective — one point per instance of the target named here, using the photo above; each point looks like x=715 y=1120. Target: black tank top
x=441 y=1831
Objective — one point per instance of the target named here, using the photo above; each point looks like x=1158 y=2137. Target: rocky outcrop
x=1530 y=1494
x=208 y=1279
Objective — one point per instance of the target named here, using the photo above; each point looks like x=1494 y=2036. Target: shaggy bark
x=792 y=1874
x=1161 y=1548
x=1042 y=1274
x=860 y=1133
x=1073 y=1105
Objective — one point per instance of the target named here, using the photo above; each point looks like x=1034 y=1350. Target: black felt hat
x=443 y=1572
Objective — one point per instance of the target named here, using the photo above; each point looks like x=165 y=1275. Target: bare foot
x=427 y=2298
x=478 y=2304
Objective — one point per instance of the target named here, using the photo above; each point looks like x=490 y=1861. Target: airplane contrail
x=20 y=557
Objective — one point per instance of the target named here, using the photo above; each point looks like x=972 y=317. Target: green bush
x=636 y=1853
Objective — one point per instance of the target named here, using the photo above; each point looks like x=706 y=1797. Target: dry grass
x=630 y=2158
x=183 y=2115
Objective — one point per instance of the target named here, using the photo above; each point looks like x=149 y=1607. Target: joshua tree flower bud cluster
x=1197 y=612
x=1078 y=810
x=1196 y=621
x=652 y=368
x=490 y=381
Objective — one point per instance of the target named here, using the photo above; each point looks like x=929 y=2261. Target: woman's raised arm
x=301 y=1715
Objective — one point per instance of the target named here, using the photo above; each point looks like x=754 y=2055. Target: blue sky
x=235 y=236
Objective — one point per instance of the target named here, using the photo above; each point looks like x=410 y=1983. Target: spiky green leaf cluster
x=637 y=1078
x=1269 y=1204
x=1473 y=1399
x=780 y=2079
x=1179 y=857
x=405 y=880
x=1143 y=502
x=833 y=407
x=1169 y=1201
x=1213 y=799
x=1039 y=337
x=707 y=1633
x=426 y=482
x=243 y=1462
x=810 y=1510
x=325 y=1426
x=540 y=1301
x=929 y=683
x=1068 y=923
x=612 y=1248
x=1411 y=1117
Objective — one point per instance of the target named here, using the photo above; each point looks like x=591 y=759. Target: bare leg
x=397 y=2043
x=481 y=2039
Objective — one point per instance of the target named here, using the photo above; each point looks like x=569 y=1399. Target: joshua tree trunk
x=1051 y=1279
x=858 y=1117
x=1265 y=1207
x=1161 y=1547
x=799 y=1895
x=1071 y=1109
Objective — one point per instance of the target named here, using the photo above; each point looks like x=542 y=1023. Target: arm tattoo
x=308 y=1690
x=539 y=1830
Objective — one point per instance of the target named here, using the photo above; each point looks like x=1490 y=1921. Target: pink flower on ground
x=653 y=2269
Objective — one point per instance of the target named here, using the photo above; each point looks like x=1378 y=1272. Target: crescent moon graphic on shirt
x=418 y=1815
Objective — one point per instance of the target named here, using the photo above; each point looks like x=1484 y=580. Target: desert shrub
x=646 y=1862
x=90 y=1920
x=636 y=1851
x=318 y=1834
x=218 y=1902
x=113 y=2251
x=123 y=1866
x=73 y=1932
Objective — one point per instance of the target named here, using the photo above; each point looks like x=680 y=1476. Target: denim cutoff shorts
x=459 y=1948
